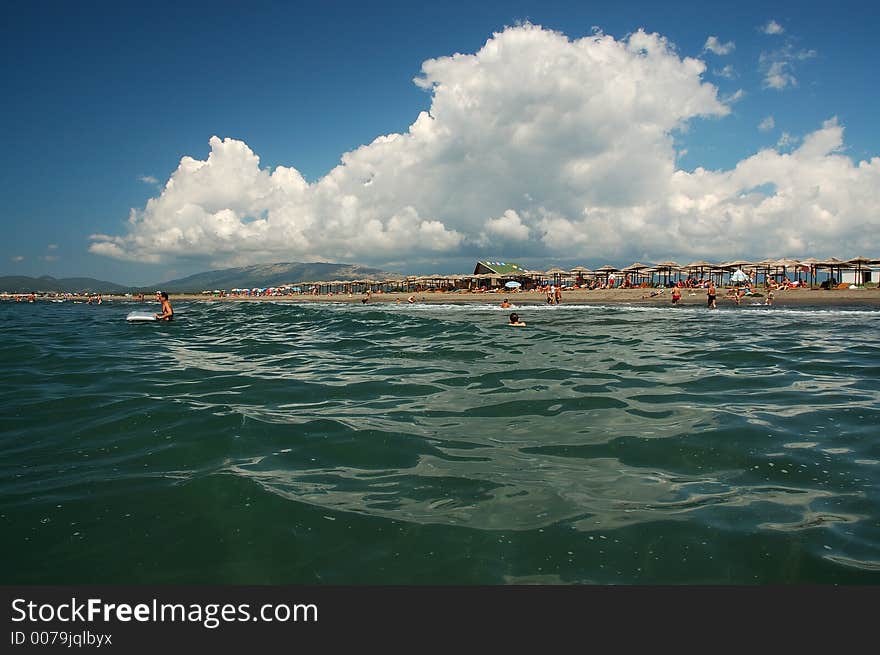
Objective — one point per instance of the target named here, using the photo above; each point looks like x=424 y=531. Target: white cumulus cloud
x=786 y=140
x=778 y=66
x=727 y=72
x=772 y=27
x=812 y=200
x=738 y=95
x=714 y=45
x=536 y=144
x=507 y=226
x=767 y=124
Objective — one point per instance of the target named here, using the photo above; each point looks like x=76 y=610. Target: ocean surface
x=266 y=443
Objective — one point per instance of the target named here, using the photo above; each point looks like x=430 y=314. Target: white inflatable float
x=140 y=317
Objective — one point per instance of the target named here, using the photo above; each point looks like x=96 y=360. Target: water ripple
x=738 y=431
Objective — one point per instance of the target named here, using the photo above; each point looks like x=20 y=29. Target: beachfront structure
x=499 y=269
x=490 y=275
x=860 y=276
x=496 y=271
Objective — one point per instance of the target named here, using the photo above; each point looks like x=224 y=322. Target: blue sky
x=103 y=99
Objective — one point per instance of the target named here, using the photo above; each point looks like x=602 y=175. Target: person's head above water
x=514 y=317
x=162 y=294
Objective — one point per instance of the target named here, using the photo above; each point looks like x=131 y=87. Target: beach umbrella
x=831 y=263
x=667 y=267
x=731 y=266
x=811 y=263
x=764 y=267
x=556 y=272
x=512 y=284
x=636 y=268
x=739 y=276
x=785 y=263
x=698 y=265
x=608 y=269
x=580 y=270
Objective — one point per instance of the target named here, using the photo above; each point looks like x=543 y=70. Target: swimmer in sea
x=505 y=303
x=514 y=320
x=167 y=313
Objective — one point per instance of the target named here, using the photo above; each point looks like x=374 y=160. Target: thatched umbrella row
x=767 y=268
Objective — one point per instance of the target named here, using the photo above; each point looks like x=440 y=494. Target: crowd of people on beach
x=86 y=298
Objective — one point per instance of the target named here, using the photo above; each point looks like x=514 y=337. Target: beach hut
x=498 y=268
x=861 y=263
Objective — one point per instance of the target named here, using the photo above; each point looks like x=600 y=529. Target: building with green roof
x=499 y=268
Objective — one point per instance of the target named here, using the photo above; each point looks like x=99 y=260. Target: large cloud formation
x=535 y=146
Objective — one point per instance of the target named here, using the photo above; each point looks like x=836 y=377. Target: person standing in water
x=167 y=313
x=710 y=295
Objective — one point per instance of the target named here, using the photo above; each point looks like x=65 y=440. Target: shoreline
x=870 y=297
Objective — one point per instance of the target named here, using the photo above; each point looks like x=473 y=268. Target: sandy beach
x=868 y=296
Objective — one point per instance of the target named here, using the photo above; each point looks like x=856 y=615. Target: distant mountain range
x=25 y=284
x=270 y=275
x=245 y=277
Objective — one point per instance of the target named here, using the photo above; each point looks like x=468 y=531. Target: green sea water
x=262 y=443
